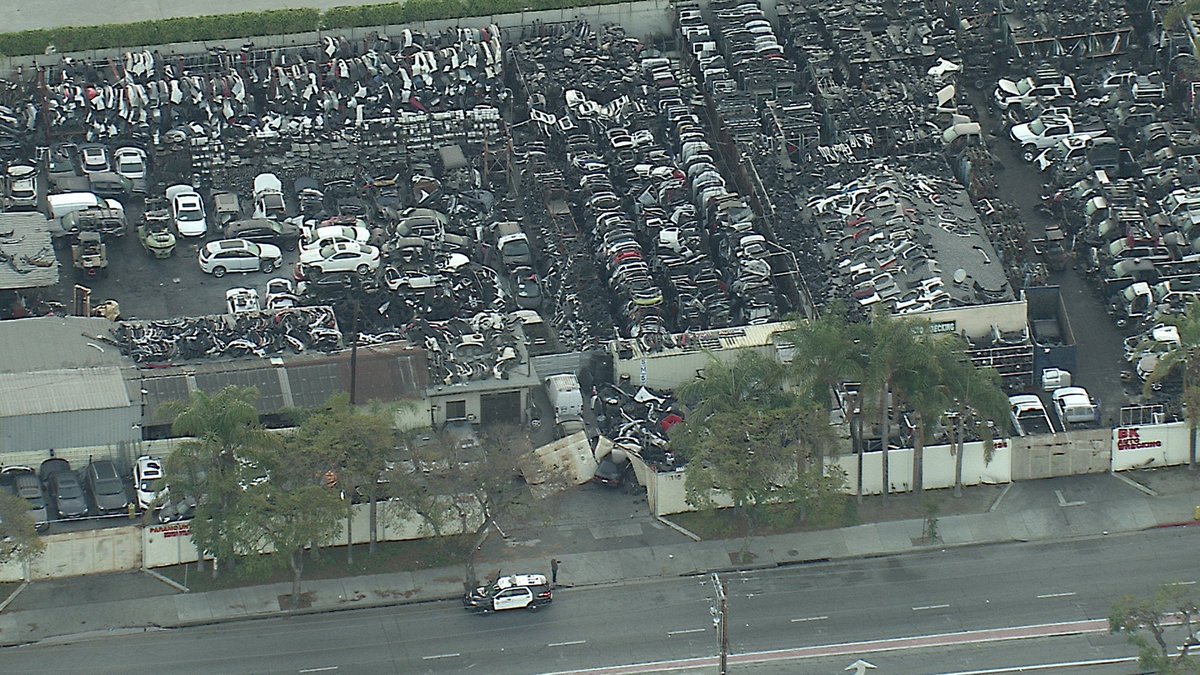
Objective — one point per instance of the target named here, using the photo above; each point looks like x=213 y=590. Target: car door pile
x=293 y=330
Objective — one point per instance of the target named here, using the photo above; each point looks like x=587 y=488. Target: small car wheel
x=533 y=607
x=267 y=266
x=218 y=272
x=363 y=269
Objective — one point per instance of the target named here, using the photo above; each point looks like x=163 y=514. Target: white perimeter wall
x=132 y=547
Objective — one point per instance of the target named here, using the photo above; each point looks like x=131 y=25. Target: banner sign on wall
x=1130 y=438
x=169 y=530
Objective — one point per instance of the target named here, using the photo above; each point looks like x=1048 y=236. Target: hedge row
x=274 y=22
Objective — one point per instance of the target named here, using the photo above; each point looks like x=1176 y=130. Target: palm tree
x=952 y=382
x=222 y=428
x=750 y=377
x=894 y=354
x=828 y=351
x=1187 y=358
x=976 y=392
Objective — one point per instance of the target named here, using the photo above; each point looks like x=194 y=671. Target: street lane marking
x=439 y=656
x=1048 y=666
x=685 y=632
x=1062 y=501
x=319 y=670
x=567 y=644
x=811 y=618
x=918 y=609
x=1058 y=629
x=1056 y=595
x=1182 y=583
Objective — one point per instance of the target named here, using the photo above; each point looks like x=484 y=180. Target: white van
x=70 y=202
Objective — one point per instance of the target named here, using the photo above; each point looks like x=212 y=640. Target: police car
x=518 y=591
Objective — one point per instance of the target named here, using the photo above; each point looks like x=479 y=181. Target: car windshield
x=1037 y=126
x=151 y=485
x=1023 y=86
x=130 y=165
x=109 y=486
x=68 y=489
x=188 y=214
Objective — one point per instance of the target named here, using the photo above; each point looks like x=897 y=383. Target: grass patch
x=271 y=22
x=392 y=556
x=784 y=518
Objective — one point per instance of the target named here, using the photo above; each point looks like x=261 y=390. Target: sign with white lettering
x=168 y=530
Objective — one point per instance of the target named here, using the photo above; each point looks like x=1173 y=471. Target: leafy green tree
x=19 y=540
x=291 y=510
x=1185 y=359
x=1145 y=623
x=757 y=456
x=356 y=444
x=223 y=429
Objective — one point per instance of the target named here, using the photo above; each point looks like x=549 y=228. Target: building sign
x=936 y=327
x=645 y=371
x=1129 y=438
x=169 y=530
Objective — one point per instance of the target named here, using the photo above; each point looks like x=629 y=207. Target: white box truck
x=567 y=401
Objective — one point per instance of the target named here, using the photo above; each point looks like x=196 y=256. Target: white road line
x=319 y=670
x=811 y=618
x=1182 y=583
x=918 y=609
x=685 y=632
x=1047 y=666
x=440 y=656
x=566 y=644
x=1056 y=595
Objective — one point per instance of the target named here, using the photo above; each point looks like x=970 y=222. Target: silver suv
x=25 y=484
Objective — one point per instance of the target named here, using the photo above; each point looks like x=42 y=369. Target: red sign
x=1129 y=439
x=172 y=529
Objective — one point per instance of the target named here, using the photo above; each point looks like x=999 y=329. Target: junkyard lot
x=147 y=288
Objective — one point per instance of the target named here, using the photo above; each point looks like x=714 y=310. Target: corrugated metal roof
x=385 y=372
x=51 y=391
x=25 y=244
x=715 y=340
x=55 y=342
x=265 y=380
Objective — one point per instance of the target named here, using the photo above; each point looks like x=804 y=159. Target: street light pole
x=720 y=612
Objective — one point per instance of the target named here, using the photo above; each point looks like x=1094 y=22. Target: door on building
x=500 y=408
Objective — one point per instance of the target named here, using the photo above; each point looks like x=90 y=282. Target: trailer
x=1053 y=339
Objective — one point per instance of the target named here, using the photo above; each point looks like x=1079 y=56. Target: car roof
x=104 y=468
x=521 y=580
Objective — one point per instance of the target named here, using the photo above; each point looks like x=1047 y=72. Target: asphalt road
x=833 y=612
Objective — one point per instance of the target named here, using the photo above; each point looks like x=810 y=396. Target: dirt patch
x=742 y=557
x=303 y=602
x=331 y=563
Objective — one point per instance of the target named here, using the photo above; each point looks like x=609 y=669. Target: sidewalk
x=1054 y=509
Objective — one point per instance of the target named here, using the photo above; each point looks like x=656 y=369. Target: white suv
x=238 y=255
x=1025 y=91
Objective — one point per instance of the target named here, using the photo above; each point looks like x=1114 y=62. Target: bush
x=274 y=22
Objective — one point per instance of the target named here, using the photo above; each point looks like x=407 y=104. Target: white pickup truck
x=1074 y=406
x=1046 y=131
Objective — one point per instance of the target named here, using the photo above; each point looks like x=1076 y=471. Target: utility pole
x=720 y=612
